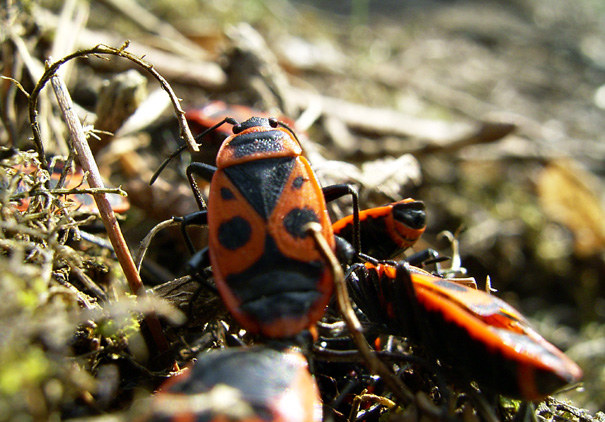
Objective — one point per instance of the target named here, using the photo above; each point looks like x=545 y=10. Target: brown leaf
x=569 y=196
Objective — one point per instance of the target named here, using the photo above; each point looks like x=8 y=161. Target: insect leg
x=205 y=171
x=425 y=257
x=198 y=218
x=337 y=191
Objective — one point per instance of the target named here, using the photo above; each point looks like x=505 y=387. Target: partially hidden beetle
x=214 y=112
x=388 y=230
x=481 y=337
x=241 y=384
x=75 y=179
x=263 y=192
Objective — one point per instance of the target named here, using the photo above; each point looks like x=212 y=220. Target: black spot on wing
x=296 y=219
x=261 y=182
x=298 y=182
x=234 y=233
x=226 y=194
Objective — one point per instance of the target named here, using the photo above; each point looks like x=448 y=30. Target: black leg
x=184 y=147
x=337 y=191
x=196 y=267
x=198 y=218
x=197 y=263
x=205 y=171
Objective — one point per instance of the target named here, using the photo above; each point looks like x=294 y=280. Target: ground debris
x=489 y=113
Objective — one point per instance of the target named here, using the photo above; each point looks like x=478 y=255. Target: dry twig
x=185 y=69
x=344 y=304
x=111 y=225
x=185 y=132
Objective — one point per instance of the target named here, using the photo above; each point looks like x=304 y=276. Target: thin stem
x=106 y=212
x=98 y=50
x=149 y=237
x=344 y=303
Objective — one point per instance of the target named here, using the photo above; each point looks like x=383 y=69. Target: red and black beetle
x=241 y=384
x=263 y=192
x=388 y=230
x=479 y=336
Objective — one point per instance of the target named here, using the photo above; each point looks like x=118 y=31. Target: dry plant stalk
x=94 y=180
x=89 y=165
x=107 y=215
x=344 y=304
x=99 y=50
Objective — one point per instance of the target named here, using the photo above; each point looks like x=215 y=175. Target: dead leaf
x=569 y=196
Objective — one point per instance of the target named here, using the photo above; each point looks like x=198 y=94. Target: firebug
x=241 y=384
x=262 y=193
x=388 y=230
x=479 y=336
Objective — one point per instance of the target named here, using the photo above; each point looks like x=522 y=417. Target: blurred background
x=491 y=112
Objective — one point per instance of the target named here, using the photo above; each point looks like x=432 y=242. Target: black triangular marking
x=261 y=181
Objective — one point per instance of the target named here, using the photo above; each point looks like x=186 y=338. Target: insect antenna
x=289 y=129
x=182 y=148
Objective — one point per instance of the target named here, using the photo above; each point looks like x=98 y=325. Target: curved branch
x=99 y=50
